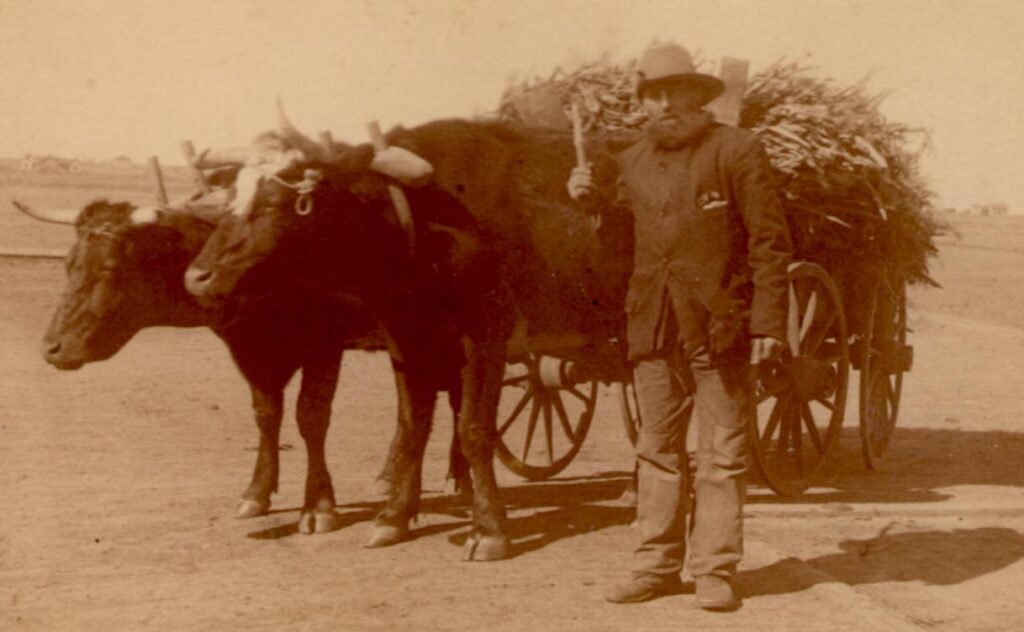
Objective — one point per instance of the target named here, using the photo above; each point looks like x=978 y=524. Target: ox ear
x=66 y=216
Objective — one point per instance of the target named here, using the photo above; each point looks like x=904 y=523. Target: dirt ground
x=119 y=483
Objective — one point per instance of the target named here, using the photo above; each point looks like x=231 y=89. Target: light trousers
x=672 y=388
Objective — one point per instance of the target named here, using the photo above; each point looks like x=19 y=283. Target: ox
x=125 y=274
x=494 y=239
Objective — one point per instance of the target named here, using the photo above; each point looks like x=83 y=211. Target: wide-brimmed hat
x=664 y=63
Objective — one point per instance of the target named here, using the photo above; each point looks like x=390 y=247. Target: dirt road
x=119 y=483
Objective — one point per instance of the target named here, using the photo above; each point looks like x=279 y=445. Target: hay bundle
x=848 y=178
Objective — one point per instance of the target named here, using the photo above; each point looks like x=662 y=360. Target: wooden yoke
x=733 y=73
x=398 y=198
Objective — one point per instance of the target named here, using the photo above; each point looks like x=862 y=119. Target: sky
x=104 y=78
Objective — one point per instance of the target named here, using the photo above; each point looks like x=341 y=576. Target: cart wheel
x=629 y=407
x=536 y=389
x=801 y=400
x=885 y=357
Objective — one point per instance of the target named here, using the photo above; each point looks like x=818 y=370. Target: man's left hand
x=765 y=349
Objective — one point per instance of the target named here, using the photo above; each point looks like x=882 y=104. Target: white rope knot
x=305 y=187
x=304 y=203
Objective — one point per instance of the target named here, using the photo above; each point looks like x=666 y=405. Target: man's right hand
x=581 y=183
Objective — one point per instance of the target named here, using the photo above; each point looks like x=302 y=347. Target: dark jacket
x=712 y=243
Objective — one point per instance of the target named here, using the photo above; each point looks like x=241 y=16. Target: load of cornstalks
x=848 y=178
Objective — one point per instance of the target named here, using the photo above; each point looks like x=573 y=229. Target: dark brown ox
x=496 y=240
x=125 y=274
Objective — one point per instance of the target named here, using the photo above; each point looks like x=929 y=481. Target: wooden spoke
x=793 y=322
x=583 y=398
x=890 y=394
x=548 y=430
x=827 y=404
x=534 y=414
x=812 y=307
x=527 y=396
x=773 y=420
x=563 y=417
x=812 y=428
x=797 y=433
x=820 y=334
x=785 y=427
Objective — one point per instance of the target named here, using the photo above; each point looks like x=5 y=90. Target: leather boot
x=644 y=587
x=715 y=593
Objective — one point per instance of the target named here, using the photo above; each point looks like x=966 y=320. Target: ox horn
x=65 y=216
x=299 y=140
x=217 y=158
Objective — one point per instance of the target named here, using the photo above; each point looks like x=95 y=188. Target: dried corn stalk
x=849 y=179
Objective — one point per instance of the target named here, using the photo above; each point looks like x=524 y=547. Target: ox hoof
x=386 y=535
x=318 y=522
x=381 y=487
x=485 y=548
x=252 y=508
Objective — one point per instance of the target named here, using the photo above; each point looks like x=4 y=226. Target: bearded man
x=707 y=300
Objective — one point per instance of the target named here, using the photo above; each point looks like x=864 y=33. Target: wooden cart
x=552 y=386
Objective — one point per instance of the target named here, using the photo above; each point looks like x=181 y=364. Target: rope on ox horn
x=398 y=199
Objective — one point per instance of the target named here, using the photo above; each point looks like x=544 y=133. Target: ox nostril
x=53 y=349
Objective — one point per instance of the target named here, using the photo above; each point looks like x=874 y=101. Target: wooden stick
x=190 y=160
x=161 y=191
x=398 y=198
x=577 y=136
x=733 y=74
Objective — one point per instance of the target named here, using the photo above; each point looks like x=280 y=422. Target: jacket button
x=664 y=261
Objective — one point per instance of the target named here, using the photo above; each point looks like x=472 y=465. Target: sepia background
x=119 y=481
x=107 y=78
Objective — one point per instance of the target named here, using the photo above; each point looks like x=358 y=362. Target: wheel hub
x=812 y=378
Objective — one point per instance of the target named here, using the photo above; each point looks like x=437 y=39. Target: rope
x=305 y=187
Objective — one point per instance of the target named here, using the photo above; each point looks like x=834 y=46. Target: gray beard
x=674 y=135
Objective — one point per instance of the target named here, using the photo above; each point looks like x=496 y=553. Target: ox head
x=304 y=212
x=123 y=274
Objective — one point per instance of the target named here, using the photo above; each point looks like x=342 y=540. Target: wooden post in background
x=161 y=191
x=733 y=74
x=190 y=160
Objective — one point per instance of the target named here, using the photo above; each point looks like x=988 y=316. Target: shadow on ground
x=921 y=462
x=939 y=558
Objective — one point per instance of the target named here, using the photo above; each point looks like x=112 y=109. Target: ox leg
x=415 y=412
x=268 y=407
x=458 y=466
x=481 y=379
x=313 y=414
x=385 y=480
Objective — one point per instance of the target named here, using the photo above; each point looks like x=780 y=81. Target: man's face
x=665 y=101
